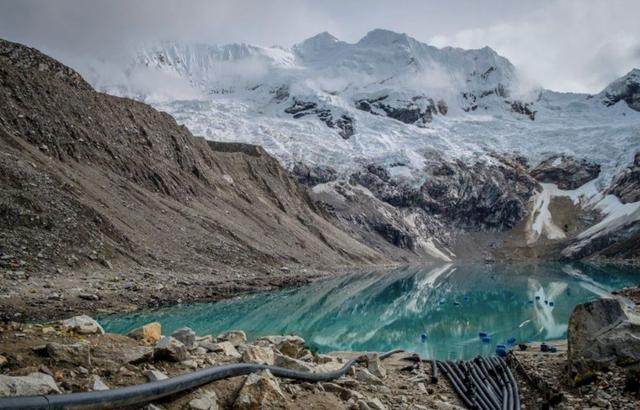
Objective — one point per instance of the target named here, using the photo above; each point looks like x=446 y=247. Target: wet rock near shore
x=82 y=324
x=151 y=332
x=602 y=333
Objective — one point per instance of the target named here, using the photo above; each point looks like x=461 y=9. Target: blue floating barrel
x=482 y=334
x=511 y=340
x=546 y=302
x=423 y=337
x=485 y=339
x=531 y=302
x=501 y=350
x=551 y=303
x=537 y=297
x=456 y=303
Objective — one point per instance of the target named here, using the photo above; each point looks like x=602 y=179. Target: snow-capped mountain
x=429 y=140
x=387 y=99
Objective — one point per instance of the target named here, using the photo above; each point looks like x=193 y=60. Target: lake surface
x=378 y=311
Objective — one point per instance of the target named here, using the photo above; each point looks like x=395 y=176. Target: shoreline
x=103 y=292
x=41 y=297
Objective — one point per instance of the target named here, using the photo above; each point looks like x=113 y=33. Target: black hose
x=457 y=386
x=484 y=386
x=508 y=400
x=144 y=393
x=512 y=380
x=434 y=371
x=480 y=388
x=454 y=375
x=482 y=365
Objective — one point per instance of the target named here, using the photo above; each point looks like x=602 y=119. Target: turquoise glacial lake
x=435 y=310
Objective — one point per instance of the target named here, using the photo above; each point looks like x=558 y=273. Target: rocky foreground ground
x=75 y=355
x=599 y=371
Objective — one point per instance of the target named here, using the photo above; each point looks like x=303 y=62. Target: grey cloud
x=563 y=44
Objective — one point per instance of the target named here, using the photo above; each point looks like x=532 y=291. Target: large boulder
x=235 y=337
x=565 y=171
x=260 y=391
x=602 y=333
x=151 y=332
x=78 y=354
x=82 y=324
x=258 y=354
x=225 y=348
x=291 y=363
x=169 y=348
x=33 y=384
x=186 y=336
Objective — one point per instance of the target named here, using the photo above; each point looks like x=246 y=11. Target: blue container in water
x=501 y=350
x=551 y=303
x=537 y=297
x=423 y=338
x=511 y=340
x=485 y=339
x=482 y=334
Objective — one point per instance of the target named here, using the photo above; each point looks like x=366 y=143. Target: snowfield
x=240 y=93
x=389 y=100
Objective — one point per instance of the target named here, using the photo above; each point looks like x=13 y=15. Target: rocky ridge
x=101 y=193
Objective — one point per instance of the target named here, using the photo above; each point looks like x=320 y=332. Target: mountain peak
x=625 y=88
x=317 y=44
x=382 y=37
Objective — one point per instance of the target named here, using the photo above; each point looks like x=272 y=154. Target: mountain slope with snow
x=387 y=99
x=422 y=129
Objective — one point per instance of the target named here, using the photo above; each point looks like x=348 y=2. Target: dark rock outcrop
x=523 y=108
x=343 y=123
x=566 y=172
x=481 y=196
x=625 y=89
x=311 y=175
x=626 y=185
x=419 y=111
x=602 y=333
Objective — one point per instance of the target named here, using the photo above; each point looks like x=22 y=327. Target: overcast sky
x=566 y=45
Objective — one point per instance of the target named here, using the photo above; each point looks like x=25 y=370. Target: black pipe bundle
x=483 y=383
x=144 y=393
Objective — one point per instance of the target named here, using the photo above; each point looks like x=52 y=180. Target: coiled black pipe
x=144 y=393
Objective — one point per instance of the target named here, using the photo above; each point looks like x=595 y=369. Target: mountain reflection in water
x=383 y=310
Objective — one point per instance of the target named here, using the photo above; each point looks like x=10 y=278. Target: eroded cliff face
x=88 y=178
